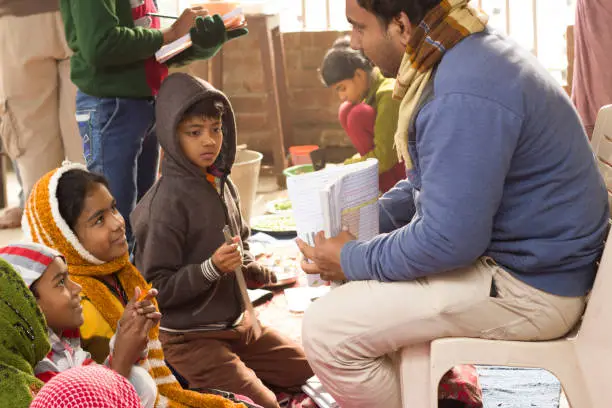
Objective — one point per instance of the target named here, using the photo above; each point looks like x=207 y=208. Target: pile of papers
x=335 y=198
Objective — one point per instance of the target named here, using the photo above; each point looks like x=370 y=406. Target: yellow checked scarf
x=43 y=223
x=443 y=27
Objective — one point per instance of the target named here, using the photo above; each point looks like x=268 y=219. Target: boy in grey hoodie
x=207 y=335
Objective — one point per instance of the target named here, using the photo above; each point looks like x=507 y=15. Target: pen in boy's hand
x=162 y=16
x=233 y=14
x=228 y=235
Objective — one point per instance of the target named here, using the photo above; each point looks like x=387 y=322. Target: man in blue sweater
x=496 y=231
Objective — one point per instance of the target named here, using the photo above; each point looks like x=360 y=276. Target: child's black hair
x=342 y=42
x=208 y=108
x=72 y=189
x=341 y=62
x=33 y=288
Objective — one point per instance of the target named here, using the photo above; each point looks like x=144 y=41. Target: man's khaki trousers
x=37 y=99
x=351 y=336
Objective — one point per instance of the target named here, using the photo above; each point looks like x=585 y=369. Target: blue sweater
x=502 y=168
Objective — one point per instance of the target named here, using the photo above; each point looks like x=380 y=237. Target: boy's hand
x=228 y=257
x=183 y=24
x=258 y=275
x=132 y=336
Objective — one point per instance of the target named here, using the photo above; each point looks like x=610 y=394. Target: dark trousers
x=235 y=360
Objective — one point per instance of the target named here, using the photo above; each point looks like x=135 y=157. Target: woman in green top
x=368 y=112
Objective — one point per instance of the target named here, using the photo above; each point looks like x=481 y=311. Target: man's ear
x=401 y=27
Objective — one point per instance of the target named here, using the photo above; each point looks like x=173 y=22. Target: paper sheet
x=300 y=298
x=174 y=48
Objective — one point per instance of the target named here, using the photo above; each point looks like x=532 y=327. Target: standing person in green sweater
x=115 y=70
x=368 y=112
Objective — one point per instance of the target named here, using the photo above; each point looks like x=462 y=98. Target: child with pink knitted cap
x=87 y=387
x=45 y=272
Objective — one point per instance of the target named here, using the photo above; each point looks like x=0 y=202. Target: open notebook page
x=233 y=19
x=174 y=48
x=352 y=202
x=326 y=200
x=304 y=191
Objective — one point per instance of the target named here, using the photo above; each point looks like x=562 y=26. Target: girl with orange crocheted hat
x=72 y=211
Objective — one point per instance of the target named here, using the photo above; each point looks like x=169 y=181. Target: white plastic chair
x=581 y=361
x=601 y=143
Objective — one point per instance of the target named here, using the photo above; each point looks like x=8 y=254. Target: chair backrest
x=594 y=341
x=569 y=46
x=601 y=143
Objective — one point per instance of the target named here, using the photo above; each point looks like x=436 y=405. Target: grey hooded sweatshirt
x=179 y=223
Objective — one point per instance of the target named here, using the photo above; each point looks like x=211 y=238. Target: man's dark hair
x=208 y=108
x=386 y=10
x=72 y=190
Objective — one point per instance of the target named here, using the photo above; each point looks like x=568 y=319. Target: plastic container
x=245 y=175
x=301 y=154
x=297 y=170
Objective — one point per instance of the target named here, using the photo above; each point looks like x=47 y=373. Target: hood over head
x=177 y=94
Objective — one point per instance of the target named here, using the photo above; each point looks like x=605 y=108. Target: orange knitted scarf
x=43 y=223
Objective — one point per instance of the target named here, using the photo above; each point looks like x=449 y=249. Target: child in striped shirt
x=45 y=273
